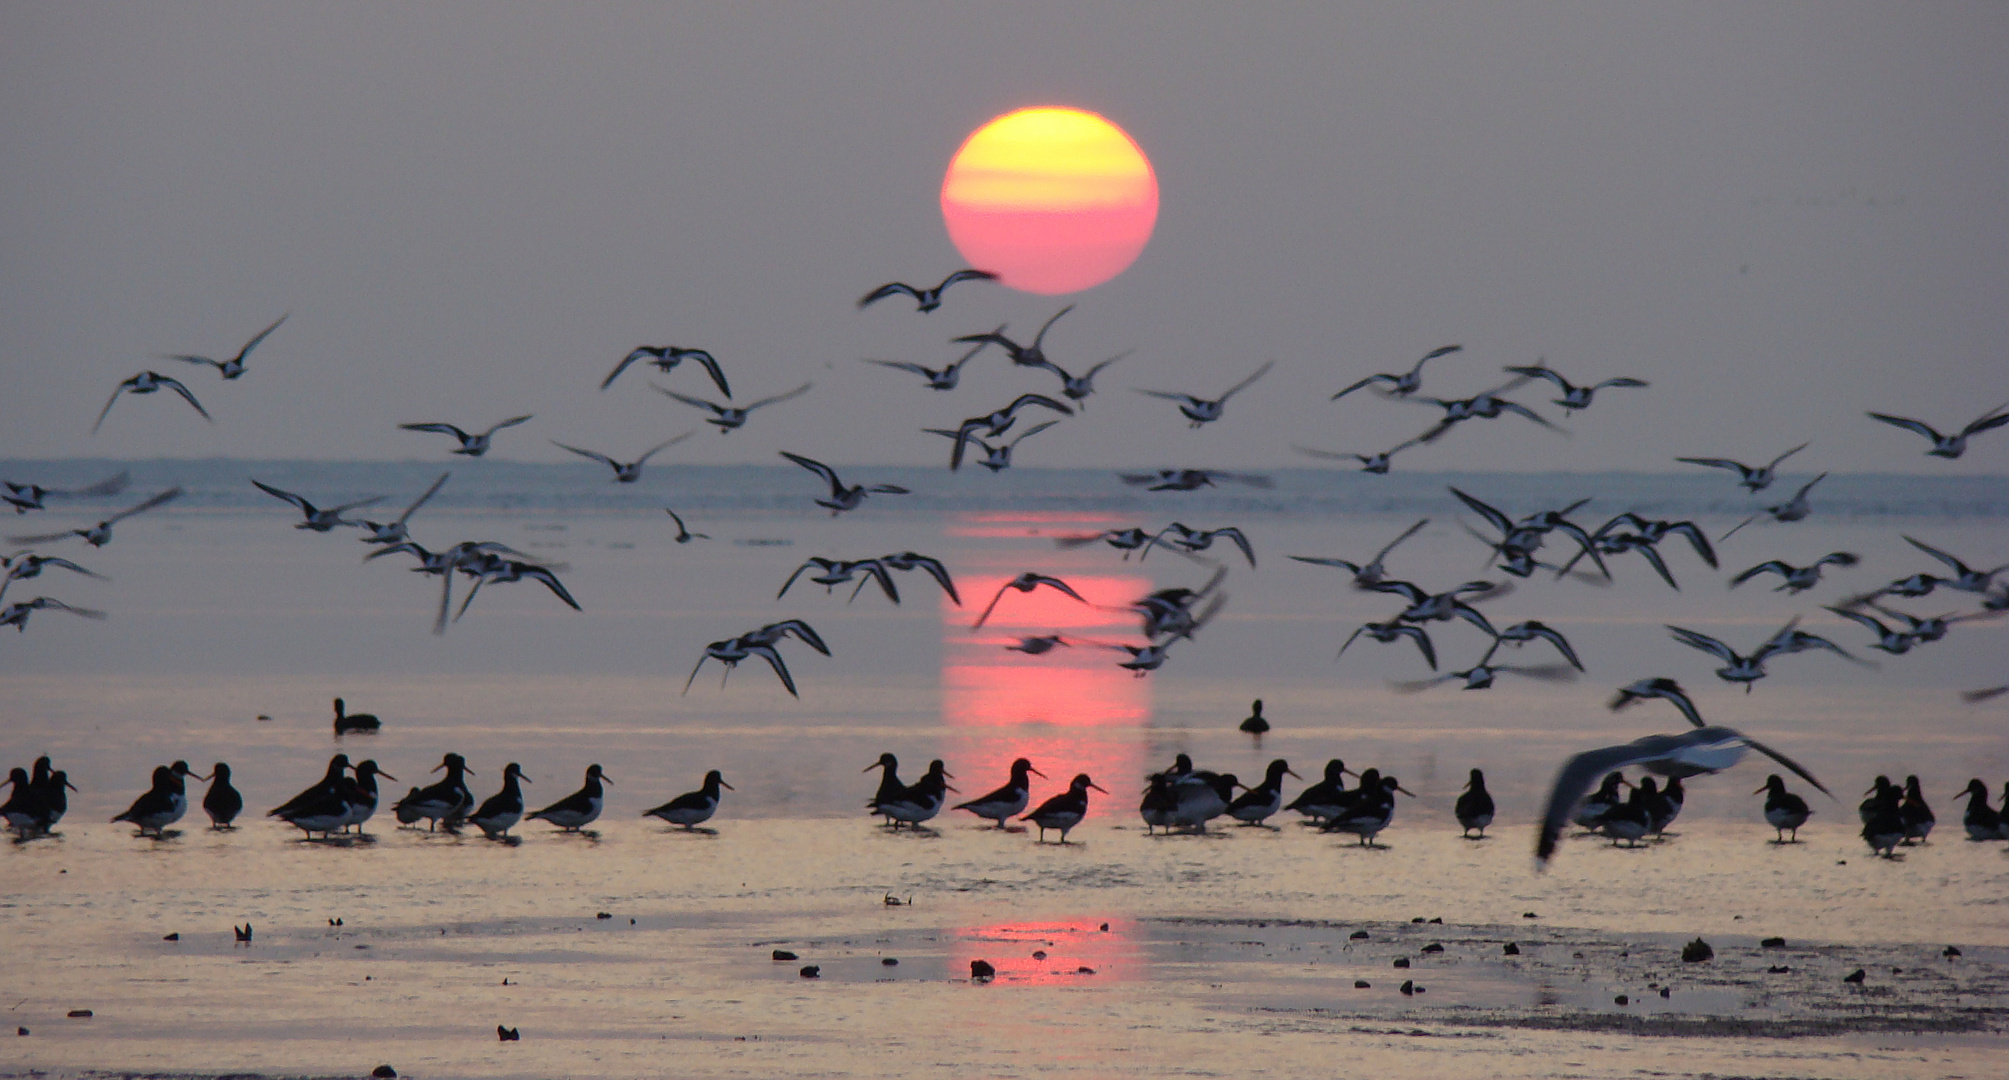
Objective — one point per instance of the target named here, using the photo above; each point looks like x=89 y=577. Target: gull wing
x=967 y=274
x=664 y=445
x=601 y=458
x=421 y=500
x=711 y=366
x=891 y=288
x=1245 y=383
x=1493 y=517
x=245 y=352
x=1048 y=325
x=828 y=474
x=1370 y=380
x=696 y=403
x=301 y=504
x=437 y=428
x=795 y=393
x=801 y=630
x=166 y=496
x=511 y=422
x=1774 y=566
x=1787 y=454
x=1907 y=424
x=1705 y=643
x=940 y=573
x=187 y=395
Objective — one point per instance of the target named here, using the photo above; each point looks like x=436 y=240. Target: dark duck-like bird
x=1000 y=805
x=348 y=723
x=1784 y=811
x=502 y=810
x=579 y=809
x=222 y=802
x=1254 y=724
x=1474 y=808
x=693 y=808
x=1065 y=810
x=1983 y=822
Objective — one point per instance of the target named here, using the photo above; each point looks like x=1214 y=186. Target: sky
x=1780 y=215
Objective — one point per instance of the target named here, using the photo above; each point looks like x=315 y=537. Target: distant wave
x=492 y=485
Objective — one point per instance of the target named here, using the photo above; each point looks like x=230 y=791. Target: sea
x=637 y=949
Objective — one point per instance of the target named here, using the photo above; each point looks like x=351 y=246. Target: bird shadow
x=339 y=840
x=23 y=838
x=505 y=841
x=1475 y=839
x=917 y=831
x=695 y=830
x=1783 y=843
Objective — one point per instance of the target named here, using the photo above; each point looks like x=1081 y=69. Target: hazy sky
x=1781 y=215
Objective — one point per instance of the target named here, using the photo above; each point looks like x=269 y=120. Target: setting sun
x=1053 y=200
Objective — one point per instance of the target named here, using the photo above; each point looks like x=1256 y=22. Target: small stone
x=1039 y=954
x=172 y=937
x=1777 y=969
x=1529 y=915
x=1402 y=961
x=1621 y=1000
x=1084 y=970
x=1773 y=943
x=784 y=954
x=1697 y=951
x=982 y=971
x=1511 y=949
x=1856 y=976
x=1362 y=984
x=1437 y=921
x=889 y=961
x=20 y=1031
x=81 y=1014
x=1664 y=992
x=811 y=971
x=503 y=1034
x=1357 y=935
x=1407 y=988
x=1950 y=952
x=381 y=1072
x=1417 y=919
x=1433 y=947
x=1105 y=928
x=604 y=915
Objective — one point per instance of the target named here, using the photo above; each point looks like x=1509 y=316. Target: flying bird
x=317 y=519
x=684 y=534
x=1749 y=669
x=1523 y=632
x=1796 y=579
x=1485 y=406
x=1192 y=479
x=1123 y=540
x=1792 y=509
x=1191 y=541
x=391 y=533
x=148 y=382
x=1377 y=464
x=1574 y=397
x=842 y=498
x=626 y=472
x=1753 y=480
x=470 y=445
x=666 y=358
x=26 y=497
x=996 y=458
x=925 y=299
x=1078 y=387
x=1965 y=578
x=1025 y=583
x=1199 y=410
x=1033 y=355
x=233 y=367
x=1406 y=383
x=23 y=565
x=16 y=614
x=909 y=560
x=1394 y=630
x=997 y=423
x=944 y=379
x=728 y=417
x=497 y=570
x=1371 y=571
x=100 y=534
x=1954 y=445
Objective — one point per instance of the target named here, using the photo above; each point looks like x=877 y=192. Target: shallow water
x=220 y=616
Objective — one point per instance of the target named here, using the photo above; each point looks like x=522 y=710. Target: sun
x=1053 y=200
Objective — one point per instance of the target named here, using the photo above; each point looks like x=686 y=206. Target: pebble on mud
x=811 y=971
x=784 y=954
x=1511 y=949
x=1697 y=951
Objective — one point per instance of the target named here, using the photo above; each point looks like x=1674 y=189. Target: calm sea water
x=220 y=614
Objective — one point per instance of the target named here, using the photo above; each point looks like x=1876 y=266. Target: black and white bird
x=920 y=801
x=471 y=445
x=666 y=358
x=315 y=518
x=1371 y=571
x=842 y=497
x=1480 y=676
x=1065 y=810
x=1519 y=540
x=496 y=570
x=1889 y=640
x=1592 y=809
x=1474 y=808
x=1039 y=644
x=925 y=298
x=938 y=379
x=1406 y=383
x=1573 y=396
x=693 y=808
x=728 y=418
x=149 y=382
x=1965 y=578
x=579 y=809
x=1425 y=606
x=1025 y=583
x=1796 y=579
x=498 y=813
x=1123 y=540
x=997 y=458
x=359 y=795
x=16 y=614
x=234 y=367
x=444 y=803
x=222 y=802
x=1371 y=810
x=1000 y=805
x=1192 y=541
x=760 y=643
x=1747 y=669
x=328 y=786
x=1918 y=817
x=1198 y=410
x=1784 y=811
x=904 y=561
x=834 y=572
x=1394 y=630
x=163 y=804
x=1033 y=355
x=1376 y=464
x=1954 y=445
x=26 y=497
x=1484 y=406
x=1319 y=802
x=1523 y=632
x=890 y=786
x=1193 y=479
x=1793 y=509
x=394 y=531
x=1753 y=479
x=626 y=472
x=1258 y=804
x=684 y=534
x=1883 y=819
x=101 y=534
x=1077 y=388
x=1982 y=822
x=994 y=424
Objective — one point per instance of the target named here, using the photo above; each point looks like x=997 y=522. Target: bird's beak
x=73 y=787
x=192 y=775
x=1292 y=773
x=869 y=768
x=1405 y=791
x=1344 y=771
x=466 y=769
x=605 y=779
x=1762 y=789
x=727 y=786
x=439 y=766
x=522 y=777
x=952 y=789
x=385 y=775
x=1043 y=776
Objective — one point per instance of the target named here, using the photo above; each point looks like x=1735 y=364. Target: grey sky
x=1779 y=214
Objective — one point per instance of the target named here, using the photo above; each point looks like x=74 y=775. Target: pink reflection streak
x=1069 y=946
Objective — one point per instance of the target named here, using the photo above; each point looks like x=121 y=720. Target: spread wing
x=1246 y=383
x=303 y=505
x=665 y=445
x=602 y=458
x=795 y=393
x=441 y=429
x=1907 y=424
x=511 y=422
x=891 y=288
x=696 y=403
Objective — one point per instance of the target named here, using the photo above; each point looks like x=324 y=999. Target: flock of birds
x=1181 y=797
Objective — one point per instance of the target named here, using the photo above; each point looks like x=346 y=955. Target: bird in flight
x=1025 y=583
x=842 y=497
x=1796 y=579
x=626 y=472
x=1192 y=479
x=316 y=519
x=944 y=379
x=1954 y=445
x=16 y=614
x=1792 y=509
x=26 y=497
x=684 y=534
x=1574 y=396
x=666 y=358
x=100 y=534
x=1369 y=463
x=729 y=417
x=1033 y=355
x=148 y=382
x=381 y=533
x=233 y=367
x=1201 y=410
x=999 y=422
x=471 y=445
x=1753 y=479
x=1078 y=387
x=1372 y=571
x=926 y=299
x=1406 y=383
x=996 y=458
